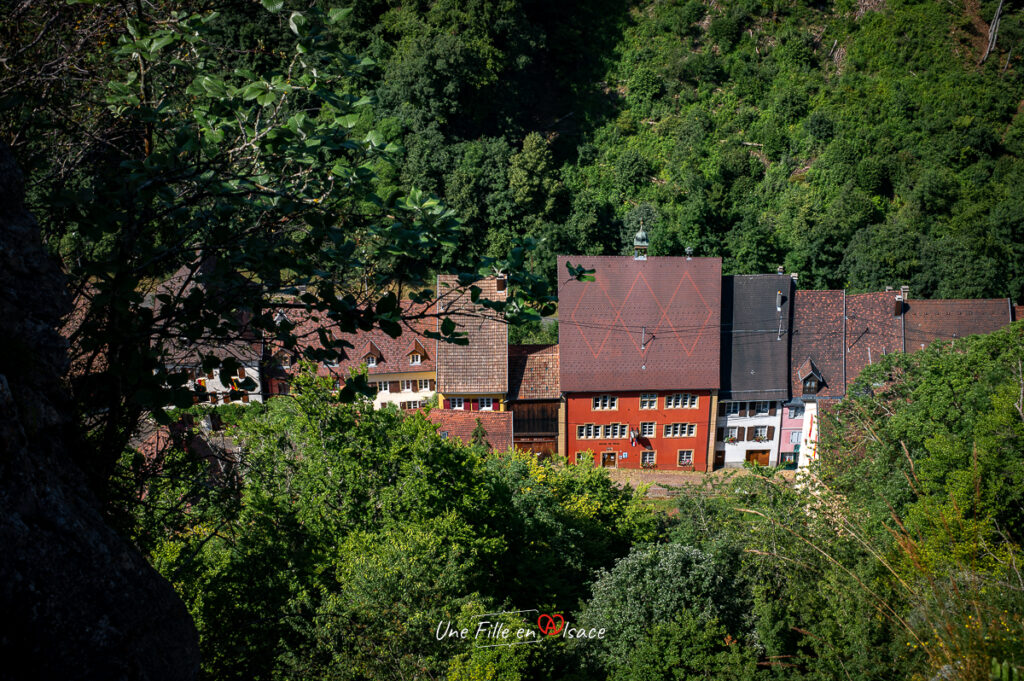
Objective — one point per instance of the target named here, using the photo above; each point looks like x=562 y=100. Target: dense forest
x=244 y=151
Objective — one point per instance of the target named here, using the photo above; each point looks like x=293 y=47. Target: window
x=647 y=458
x=681 y=401
x=796 y=412
x=761 y=432
x=616 y=431
x=415 y=358
x=443 y=434
x=606 y=402
x=649 y=401
x=647 y=429
x=371 y=360
x=286 y=361
x=761 y=408
x=588 y=431
x=794 y=437
x=332 y=362
x=412 y=404
x=407 y=386
x=384 y=387
x=732 y=408
x=732 y=434
x=680 y=429
x=458 y=403
x=486 y=404
x=685 y=457
x=424 y=384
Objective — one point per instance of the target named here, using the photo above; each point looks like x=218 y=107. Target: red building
x=639 y=360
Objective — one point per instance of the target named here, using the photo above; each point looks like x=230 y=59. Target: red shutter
x=474 y=405
x=395 y=386
x=721 y=409
x=719 y=433
x=771 y=410
x=771 y=433
x=447 y=404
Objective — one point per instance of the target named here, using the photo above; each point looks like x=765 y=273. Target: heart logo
x=550 y=624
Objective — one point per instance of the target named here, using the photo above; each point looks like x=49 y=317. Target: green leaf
x=274 y=6
x=336 y=14
x=297 y=23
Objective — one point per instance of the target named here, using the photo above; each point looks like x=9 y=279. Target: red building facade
x=639 y=360
x=640 y=429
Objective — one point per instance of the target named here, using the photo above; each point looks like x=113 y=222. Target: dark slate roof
x=755 y=336
x=461 y=424
x=873 y=329
x=533 y=372
x=818 y=337
x=930 y=320
x=482 y=365
x=642 y=325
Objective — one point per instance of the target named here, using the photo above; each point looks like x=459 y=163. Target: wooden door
x=759 y=456
x=719 y=458
x=608 y=459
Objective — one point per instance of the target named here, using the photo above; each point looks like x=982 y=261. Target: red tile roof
x=461 y=424
x=818 y=336
x=533 y=372
x=482 y=365
x=1018 y=313
x=392 y=353
x=642 y=325
x=929 y=320
x=873 y=329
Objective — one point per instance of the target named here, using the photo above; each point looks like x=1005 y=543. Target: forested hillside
x=860 y=144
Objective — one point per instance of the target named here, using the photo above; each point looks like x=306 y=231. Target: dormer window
x=415 y=359
x=371 y=360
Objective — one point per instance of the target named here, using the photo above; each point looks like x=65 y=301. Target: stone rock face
x=76 y=600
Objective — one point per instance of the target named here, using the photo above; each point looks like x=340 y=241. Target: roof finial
x=640 y=243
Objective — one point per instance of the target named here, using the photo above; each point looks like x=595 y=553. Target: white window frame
x=424 y=384
x=459 y=403
x=763 y=408
x=615 y=431
x=588 y=431
x=796 y=412
x=332 y=363
x=604 y=403
x=407 y=385
x=761 y=431
x=732 y=408
x=415 y=359
x=648 y=428
x=384 y=387
x=371 y=360
x=649 y=400
x=732 y=432
x=486 y=404
x=681 y=401
x=680 y=429
x=794 y=437
x=644 y=459
x=679 y=457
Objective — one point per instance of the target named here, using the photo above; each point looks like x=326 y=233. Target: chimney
x=905 y=291
x=640 y=243
x=794 y=276
x=689 y=252
x=781 y=270
x=888 y=288
x=502 y=282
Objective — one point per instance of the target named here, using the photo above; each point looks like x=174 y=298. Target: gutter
x=844 y=342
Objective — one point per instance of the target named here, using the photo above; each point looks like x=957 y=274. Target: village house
x=402 y=369
x=639 y=360
x=494 y=427
x=534 y=397
x=474 y=376
x=756 y=319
